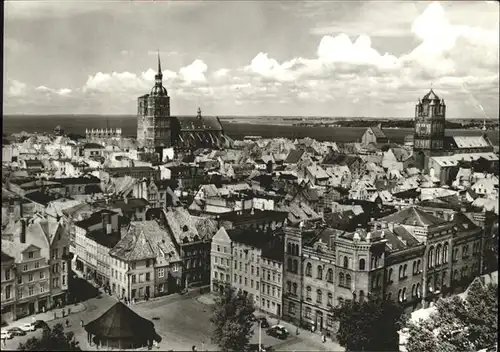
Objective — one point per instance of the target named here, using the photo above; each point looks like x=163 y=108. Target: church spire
x=159 y=75
x=159 y=62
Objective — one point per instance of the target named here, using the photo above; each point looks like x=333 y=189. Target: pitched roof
x=378 y=132
x=136 y=244
x=413 y=216
x=294 y=156
x=121 y=322
x=204 y=123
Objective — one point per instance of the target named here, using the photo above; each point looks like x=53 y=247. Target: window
x=30 y=255
x=294 y=289
x=20 y=279
x=218 y=248
x=147 y=263
x=235 y=278
x=308 y=313
x=295 y=266
x=413 y=290
x=291 y=308
x=245 y=281
x=361 y=264
x=404 y=294
x=30 y=277
x=361 y=296
x=455 y=254
x=320 y=272
x=308 y=293
x=7 y=274
x=341 y=279
x=141 y=277
x=132 y=265
x=329 y=320
x=430 y=257
x=400 y=295
x=346 y=262
x=329 y=275
x=42 y=274
x=279 y=278
x=348 y=280
x=215 y=259
x=8 y=288
x=465 y=251
x=148 y=276
x=289 y=286
x=400 y=272
x=330 y=299
x=25 y=267
x=252 y=269
x=319 y=296
x=389 y=275
x=308 y=269
x=414 y=267
x=438 y=254
x=417 y=290
x=19 y=293
x=134 y=279
x=251 y=283
x=236 y=264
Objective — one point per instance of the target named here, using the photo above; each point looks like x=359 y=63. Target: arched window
x=404 y=269
x=414 y=267
x=289 y=264
x=295 y=249
x=308 y=269
x=413 y=292
x=404 y=294
x=288 y=286
x=341 y=279
x=389 y=276
x=361 y=264
x=430 y=257
x=289 y=248
x=455 y=275
x=294 y=290
x=308 y=292
x=295 y=266
x=372 y=263
x=445 y=253
x=419 y=266
x=329 y=275
x=361 y=296
x=400 y=295
x=330 y=298
x=320 y=272
x=438 y=254
x=346 y=262
x=348 y=280
x=418 y=290
x=400 y=271
x=319 y=296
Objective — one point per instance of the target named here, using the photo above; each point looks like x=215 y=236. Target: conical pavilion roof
x=431 y=96
x=121 y=322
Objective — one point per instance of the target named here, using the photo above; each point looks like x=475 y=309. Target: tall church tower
x=153 y=115
x=429 y=128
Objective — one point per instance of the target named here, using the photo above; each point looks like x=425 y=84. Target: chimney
x=22 y=238
x=391 y=226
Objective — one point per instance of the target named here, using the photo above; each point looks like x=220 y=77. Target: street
x=181 y=321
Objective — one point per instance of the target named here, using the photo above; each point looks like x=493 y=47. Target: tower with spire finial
x=430 y=119
x=153 y=115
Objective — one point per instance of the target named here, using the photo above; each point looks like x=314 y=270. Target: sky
x=290 y=58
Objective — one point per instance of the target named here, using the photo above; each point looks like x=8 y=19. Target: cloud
x=194 y=72
x=15 y=88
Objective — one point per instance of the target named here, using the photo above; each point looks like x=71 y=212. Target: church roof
x=431 y=96
x=191 y=123
x=121 y=322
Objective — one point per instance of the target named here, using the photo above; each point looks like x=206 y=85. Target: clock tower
x=429 y=128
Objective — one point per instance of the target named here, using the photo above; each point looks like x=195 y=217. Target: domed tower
x=429 y=128
x=153 y=115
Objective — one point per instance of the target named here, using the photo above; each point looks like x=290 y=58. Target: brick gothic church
x=157 y=129
x=429 y=136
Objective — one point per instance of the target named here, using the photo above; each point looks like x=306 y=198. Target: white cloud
x=16 y=88
x=194 y=72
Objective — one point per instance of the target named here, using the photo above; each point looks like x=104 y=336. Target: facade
x=104 y=133
x=95 y=236
x=271 y=282
x=221 y=260
x=292 y=278
x=144 y=263
x=374 y=135
x=35 y=270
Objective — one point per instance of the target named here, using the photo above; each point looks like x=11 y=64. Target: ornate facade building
x=429 y=138
x=157 y=129
x=104 y=133
x=429 y=128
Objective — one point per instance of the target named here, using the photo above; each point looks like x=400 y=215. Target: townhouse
x=272 y=276
x=35 y=267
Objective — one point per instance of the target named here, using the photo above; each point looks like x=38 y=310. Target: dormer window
x=185 y=228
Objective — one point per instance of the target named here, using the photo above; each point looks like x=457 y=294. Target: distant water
x=78 y=123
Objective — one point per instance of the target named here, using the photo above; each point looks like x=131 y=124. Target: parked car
x=6 y=335
x=263 y=322
x=255 y=348
x=278 y=331
x=40 y=324
x=15 y=331
x=27 y=327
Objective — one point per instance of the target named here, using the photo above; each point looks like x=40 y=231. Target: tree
x=231 y=317
x=372 y=325
x=459 y=324
x=54 y=339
